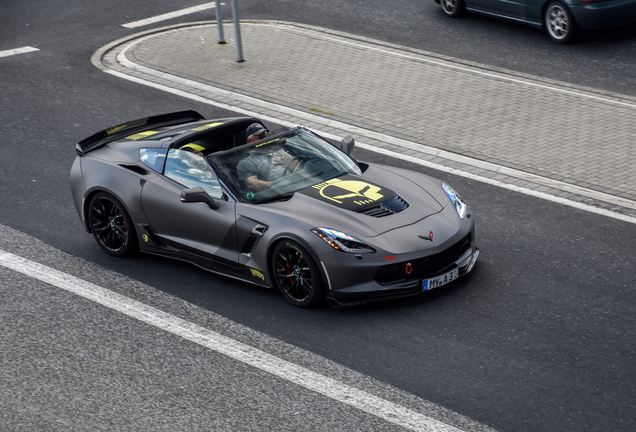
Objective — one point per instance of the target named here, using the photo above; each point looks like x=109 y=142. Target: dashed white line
x=170 y=15
x=15 y=51
x=299 y=375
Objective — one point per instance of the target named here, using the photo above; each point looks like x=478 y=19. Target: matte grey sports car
x=289 y=210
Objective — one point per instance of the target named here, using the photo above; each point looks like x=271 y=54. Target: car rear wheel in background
x=559 y=23
x=111 y=226
x=453 y=8
x=296 y=275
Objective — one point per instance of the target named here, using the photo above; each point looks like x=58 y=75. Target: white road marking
x=316 y=119
x=15 y=51
x=299 y=375
x=170 y=15
x=544 y=181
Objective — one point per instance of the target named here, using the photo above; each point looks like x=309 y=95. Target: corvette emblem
x=430 y=236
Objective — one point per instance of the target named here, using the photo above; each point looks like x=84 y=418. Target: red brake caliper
x=291 y=280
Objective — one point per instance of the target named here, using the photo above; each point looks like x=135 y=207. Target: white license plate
x=436 y=282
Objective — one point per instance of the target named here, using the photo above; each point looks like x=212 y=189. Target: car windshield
x=276 y=167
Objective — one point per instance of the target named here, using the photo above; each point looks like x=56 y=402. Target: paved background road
x=540 y=337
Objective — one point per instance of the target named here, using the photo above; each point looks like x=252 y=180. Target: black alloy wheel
x=111 y=226
x=296 y=275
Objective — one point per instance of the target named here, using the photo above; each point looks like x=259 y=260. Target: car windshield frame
x=318 y=161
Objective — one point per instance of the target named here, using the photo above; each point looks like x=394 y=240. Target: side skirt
x=209 y=266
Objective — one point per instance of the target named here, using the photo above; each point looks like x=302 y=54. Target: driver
x=262 y=167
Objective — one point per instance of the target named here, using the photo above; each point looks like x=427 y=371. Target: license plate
x=438 y=281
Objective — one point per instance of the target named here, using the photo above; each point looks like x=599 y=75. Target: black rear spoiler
x=116 y=132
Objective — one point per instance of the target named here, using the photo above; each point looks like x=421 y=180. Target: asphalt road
x=539 y=337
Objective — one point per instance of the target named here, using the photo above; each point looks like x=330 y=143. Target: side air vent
x=135 y=168
x=252 y=240
x=386 y=208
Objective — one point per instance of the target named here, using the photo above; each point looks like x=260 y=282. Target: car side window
x=192 y=170
x=153 y=157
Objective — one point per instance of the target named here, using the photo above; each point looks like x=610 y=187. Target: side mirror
x=198 y=194
x=347 y=144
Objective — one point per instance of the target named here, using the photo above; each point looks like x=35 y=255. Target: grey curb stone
x=578 y=141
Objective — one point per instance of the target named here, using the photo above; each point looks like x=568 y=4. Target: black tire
x=296 y=275
x=453 y=8
x=112 y=228
x=559 y=23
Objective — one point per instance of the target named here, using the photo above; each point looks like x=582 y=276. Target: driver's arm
x=255 y=184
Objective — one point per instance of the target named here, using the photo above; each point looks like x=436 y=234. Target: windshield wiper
x=281 y=197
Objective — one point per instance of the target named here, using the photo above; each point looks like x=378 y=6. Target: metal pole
x=219 y=21
x=237 y=31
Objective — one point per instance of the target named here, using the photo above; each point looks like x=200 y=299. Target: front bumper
x=368 y=291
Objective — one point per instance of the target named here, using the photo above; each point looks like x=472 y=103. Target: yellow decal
x=145 y=237
x=257 y=274
x=193 y=146
x=141 y=135
x=206 y=126
x=333 y=190
x=268 y=142
x=115 y=129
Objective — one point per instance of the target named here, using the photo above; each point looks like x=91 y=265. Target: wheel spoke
x=293 y=273
x=109 y=224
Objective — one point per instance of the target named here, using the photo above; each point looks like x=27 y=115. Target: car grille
x=386 y=208
x=423 y=267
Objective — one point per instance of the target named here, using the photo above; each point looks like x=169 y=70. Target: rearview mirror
x=347 y=144
x=197 y=194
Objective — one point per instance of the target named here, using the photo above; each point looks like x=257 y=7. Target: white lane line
x=15 y=51
x=299 y=375
x=390 y=153
x=170 y=15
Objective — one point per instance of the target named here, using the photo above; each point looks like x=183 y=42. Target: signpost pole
x=219 y=20
x=237 y=31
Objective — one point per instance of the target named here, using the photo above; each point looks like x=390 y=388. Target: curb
x=446 y=159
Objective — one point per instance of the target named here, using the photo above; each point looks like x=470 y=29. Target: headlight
x=458 y=202
x=341 y=241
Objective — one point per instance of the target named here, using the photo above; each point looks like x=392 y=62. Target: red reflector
x=389 y=257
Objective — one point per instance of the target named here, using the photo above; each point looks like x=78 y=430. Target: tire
x=112 y=227
x=453 y=8
x=296 y=275
x=559 y=23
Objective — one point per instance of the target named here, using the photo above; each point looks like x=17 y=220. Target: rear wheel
x=559 y=23
x=453 y=8
x=296 y=275
x=111 y=226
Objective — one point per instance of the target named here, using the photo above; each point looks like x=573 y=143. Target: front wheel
x=111 y=226
x=559 y=23
x=296 y=275
x=453 y=8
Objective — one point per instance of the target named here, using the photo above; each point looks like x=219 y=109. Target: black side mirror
x=198 y=194
x=347 y=144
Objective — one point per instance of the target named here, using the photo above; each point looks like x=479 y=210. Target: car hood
x=347 y=203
